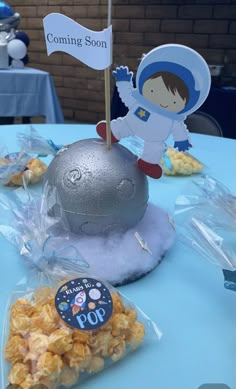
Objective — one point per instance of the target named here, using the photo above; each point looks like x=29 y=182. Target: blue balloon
x=25 y=60
x=22 y=36
x=5 y=10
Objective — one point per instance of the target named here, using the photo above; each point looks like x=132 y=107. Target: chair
x=203 y=123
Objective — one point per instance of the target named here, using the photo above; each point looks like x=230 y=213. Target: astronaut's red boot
x=150 y=169
x=102 y=131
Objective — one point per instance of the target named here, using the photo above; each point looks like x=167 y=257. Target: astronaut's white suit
x=150 y=122
x=153 y=127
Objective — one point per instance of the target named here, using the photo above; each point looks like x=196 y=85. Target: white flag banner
x=94 y=48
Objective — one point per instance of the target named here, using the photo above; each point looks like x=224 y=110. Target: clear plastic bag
x=62 y=323
x=32 y=142
x=26 y=164
x=26 y=223
x=14 y=167
x=205 y=214
x=173 y=162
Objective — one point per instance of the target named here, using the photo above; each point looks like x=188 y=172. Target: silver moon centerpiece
x=100 y=190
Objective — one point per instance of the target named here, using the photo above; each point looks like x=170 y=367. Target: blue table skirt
x=29 y=92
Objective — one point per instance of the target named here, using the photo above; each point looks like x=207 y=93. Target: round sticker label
x=84 y=303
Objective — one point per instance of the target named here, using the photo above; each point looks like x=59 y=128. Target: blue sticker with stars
x=142 y=114
x=84 y=303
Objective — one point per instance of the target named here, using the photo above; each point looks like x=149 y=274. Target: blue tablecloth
x=184 y=295
x=29 y=92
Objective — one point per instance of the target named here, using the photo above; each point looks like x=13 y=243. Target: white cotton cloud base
x=118 y=257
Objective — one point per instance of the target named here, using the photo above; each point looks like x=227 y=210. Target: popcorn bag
x=179 y=163
x=59 y=335
x=173 y=162
x=63 y=324
x=26 y=165
x=14 y=167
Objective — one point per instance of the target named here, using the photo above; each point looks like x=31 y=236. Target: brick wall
x=208 y=26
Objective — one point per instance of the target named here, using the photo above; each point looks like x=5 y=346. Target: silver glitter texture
x=100 y=190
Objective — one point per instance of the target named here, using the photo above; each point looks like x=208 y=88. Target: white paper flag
x=94 y=48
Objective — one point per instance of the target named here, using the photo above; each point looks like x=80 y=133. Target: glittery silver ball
x=100 y=190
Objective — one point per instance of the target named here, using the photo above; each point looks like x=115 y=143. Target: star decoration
x=142 y=113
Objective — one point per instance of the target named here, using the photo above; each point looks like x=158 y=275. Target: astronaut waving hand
x=172 y=82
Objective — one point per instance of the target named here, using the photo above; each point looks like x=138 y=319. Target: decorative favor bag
x=62 y=323
x=26 y=164
x=205 y=214
x=173 y=162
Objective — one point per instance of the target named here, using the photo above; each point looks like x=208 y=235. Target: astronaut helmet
x=183 y=62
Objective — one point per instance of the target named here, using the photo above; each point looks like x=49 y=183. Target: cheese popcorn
x=96 y=364
x=69 y=376
x=22 y=306
x=82 y=336
x=49 y=365
x=118 y=306
x=100 y=343
x=131 y=315
x=47 y=319
x=44 y=350
x=37 y=343
x=35 y=170
x=18 y=373
x=117 y=348
x=120 y=324
x=31 y=358
x=27 y=383
x=182 y=163
x=20 y=324
x=15 y=349
x=136 y=334
x=79 y=356
x=60 y=341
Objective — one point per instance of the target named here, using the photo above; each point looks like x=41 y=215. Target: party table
x=29 y=92
x=185 y=295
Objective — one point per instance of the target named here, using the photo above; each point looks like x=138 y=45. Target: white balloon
x=17 y=64
x=16 y=49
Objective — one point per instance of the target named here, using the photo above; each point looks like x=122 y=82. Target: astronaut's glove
x=122 y=73
x=182 y=145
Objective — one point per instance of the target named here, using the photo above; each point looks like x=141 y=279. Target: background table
x=184 y=295
x=29 y=92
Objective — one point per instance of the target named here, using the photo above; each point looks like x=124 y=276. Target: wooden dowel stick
x=107 y=88
x=107 y=106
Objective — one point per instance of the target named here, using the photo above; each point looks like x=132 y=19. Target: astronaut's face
x=155 y=91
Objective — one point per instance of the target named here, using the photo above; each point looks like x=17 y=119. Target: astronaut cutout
x=13 y=43
x=172 y=81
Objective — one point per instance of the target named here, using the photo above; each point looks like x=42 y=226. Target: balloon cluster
x=13 y=43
